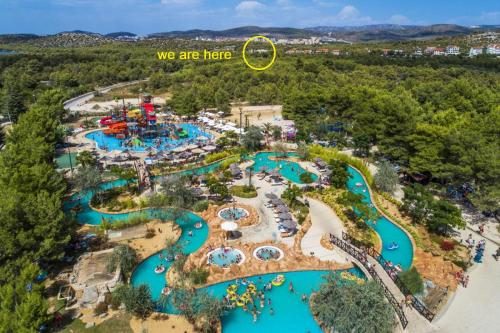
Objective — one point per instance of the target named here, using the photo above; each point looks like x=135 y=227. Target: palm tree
x=267 y=131
x=86 y=158
x=89 y=179
x=124 y=257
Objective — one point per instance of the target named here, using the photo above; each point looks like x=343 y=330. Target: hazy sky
x=146 y=16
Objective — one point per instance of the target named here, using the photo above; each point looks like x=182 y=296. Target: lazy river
x=290 y=313
x=387 y=230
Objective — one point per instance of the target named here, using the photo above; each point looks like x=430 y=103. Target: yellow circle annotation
x=246 y=60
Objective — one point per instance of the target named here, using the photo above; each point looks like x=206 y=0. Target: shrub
x=447 y=245
x=199 y=275
x=200 y=206
x=217 y=156
x=306 y=178
x=101 y=307
x=243 y=191
x=150 y=233
x=412 y=280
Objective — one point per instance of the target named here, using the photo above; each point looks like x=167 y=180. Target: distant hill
x=237 y=32
x=121 y=34
x=393 y=32
x=15 y=38
x=367 y=33
x=79 y=32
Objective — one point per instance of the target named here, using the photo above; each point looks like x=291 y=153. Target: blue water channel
x=290 y=313
x=388 y=231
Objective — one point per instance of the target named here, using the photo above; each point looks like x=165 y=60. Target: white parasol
x=229 y=226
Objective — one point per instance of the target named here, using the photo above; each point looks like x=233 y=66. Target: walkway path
x=475 y=308
x=267 y=229
x=324 y=221
x=73 y=103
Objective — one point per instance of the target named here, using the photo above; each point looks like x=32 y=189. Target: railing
x=360 y=255
x=389 y=269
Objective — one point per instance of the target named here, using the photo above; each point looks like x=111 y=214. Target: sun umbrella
x=229 y=226
x=282 y=209
x=197 y=151
x=209 y=148
x=285 y=216
x=179 y=149
x=191 y=147
x=289 y=224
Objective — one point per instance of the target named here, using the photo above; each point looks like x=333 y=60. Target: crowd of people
x=268 y=254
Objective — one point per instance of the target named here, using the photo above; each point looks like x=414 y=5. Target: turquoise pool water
x=144 y=272
x=266 y=253
x=388 y=231
x=224 y=257
x=291 y=314
x=233 y=214
x=112 y=143
x=288 y=169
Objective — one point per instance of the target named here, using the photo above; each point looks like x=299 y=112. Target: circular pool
x=233 y=213
x=268 y=253
x=225 y=257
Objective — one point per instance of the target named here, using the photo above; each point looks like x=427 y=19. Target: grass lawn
x=117 y=324
x=243 y=191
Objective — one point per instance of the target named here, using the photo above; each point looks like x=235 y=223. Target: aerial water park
x=257 y=231
x=140 y=127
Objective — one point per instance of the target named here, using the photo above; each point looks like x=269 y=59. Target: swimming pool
x=225 y=257
x=110 y=143
x=233 y=213
x=291 y=314
x=267 y=253
x=388 y=231
x=288 y=169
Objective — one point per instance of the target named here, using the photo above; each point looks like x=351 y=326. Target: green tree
x=386 y=179
x=137 y=300
x=86 y=159
x=123 y=256
x=13 y=103
x=22 y=306
x=89 y=179
x=337 y=305
x=339 y=176
x=444 y=217
x=178 y=191
x=417 y=203
x=412 y=280
x=217 y=187
x=252 y=138
x=306 y=178
x=302 y=150
x=281 y=149
x=276 y=133
x=291 y=194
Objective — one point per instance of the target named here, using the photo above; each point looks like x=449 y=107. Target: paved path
x=475 y=308
x=267 y=229
x=324 y=221
x=74 y=102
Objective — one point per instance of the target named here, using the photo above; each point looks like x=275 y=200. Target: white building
x=438 y=51
x=452 y=50
x=493 y=49
x=474 y=51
